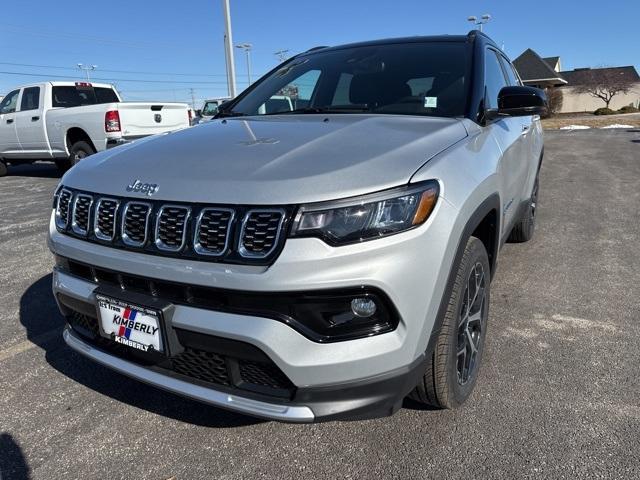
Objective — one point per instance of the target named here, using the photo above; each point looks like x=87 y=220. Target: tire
x=77 y=152
x=3 y=168
x=523 y=230
x=452 y=369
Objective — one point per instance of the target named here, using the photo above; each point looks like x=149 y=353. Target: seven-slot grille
x=81 y=214
x=171 y=227
x=260 y=232
x=63 y=208
x=212 y=231
x=135 y=223
x=105 y=219
x=207 y=232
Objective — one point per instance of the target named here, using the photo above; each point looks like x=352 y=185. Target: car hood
x=272 y=160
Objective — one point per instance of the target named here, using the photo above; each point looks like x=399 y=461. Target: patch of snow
x=575 y=127
x=617 y=125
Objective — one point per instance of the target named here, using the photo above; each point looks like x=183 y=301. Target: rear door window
x=30 y=99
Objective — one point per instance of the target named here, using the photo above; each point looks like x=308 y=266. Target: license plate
x=131 y=325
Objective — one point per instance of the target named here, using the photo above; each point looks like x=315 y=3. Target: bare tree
x=554 y=98
x=604 y=83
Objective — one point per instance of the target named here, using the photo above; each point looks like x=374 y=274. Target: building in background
x=547 y=73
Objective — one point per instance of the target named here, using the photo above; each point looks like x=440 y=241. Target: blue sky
x=160 y=49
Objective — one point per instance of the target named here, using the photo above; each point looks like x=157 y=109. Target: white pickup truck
x=67 y=121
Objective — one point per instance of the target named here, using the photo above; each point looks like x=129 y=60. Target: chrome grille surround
x=63 y=208
x=205 y=230
x=134 y=212
x=233 y=234
x=171 y=227
x=105 y=215
x=81 y=215
x=256 y=243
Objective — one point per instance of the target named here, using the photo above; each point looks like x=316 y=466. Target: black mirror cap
x=519 y=101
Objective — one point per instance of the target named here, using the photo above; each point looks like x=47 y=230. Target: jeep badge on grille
x=145 y=188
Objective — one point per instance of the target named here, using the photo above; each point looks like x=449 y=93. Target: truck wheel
x=77 y=152
x=452 y=369
x=3 y=168
x=523 y=230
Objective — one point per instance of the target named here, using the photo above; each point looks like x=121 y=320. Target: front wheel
x=452 y=368
x=3 y=168
x=77 y=152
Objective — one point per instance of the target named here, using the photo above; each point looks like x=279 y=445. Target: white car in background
x=67 y=121
x=210 y=108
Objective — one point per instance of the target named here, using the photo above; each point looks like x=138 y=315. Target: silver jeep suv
x=317 y=258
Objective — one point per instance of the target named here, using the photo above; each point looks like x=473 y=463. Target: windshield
x=406 y=78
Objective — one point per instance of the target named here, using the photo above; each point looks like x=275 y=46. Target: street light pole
x=228 y=50
x=483 y=19
x=87 y=69
x=247 y=49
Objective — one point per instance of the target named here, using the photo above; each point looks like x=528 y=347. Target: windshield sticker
x=430 y=102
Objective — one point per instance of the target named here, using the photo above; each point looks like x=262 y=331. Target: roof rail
x=317 y=48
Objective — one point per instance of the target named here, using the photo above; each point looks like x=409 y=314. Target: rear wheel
x=523 y=230
x=452 y=369
x=3 y=168
x=77 y=152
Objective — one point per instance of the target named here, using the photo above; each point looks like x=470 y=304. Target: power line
x=111 y=79
x=77 y=36
x=57 y=67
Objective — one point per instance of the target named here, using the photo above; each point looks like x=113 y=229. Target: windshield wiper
x=231 y=113
x=327 y=109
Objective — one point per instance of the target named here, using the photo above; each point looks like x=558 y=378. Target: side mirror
x=519 y=102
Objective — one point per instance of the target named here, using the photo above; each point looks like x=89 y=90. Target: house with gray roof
x=547 y=73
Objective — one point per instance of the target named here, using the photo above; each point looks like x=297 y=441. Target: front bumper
x=354 y=378
x=358 y=400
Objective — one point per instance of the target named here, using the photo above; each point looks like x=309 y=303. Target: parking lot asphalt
x=558 y=394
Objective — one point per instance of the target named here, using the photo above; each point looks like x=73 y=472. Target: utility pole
x=247 y=49
x=281 y=54
x=193 y=98
x=87 y=69
x=228 y=50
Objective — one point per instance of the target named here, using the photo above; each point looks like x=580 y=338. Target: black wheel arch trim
x=491 y=203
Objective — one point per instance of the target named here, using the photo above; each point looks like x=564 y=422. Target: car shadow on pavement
x=40 y=315
x=34 y=170
x=411 y=404
x=13 y=464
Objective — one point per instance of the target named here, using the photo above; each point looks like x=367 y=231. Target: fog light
x=363 y=307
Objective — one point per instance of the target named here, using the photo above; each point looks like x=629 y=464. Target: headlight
x=371 y=216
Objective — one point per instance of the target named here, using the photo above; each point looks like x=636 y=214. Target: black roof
x=531 y=66
x=552 y=61
x=580 y=76
x=415 y=39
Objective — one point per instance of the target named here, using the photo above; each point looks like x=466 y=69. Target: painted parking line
x=29 y=344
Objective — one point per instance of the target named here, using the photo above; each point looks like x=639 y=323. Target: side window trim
x=489 y=50
x=499 y=58
x=508 y=66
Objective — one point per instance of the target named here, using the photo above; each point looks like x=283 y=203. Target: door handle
x=35 y=119
x=9 y=120
x=525 y=129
